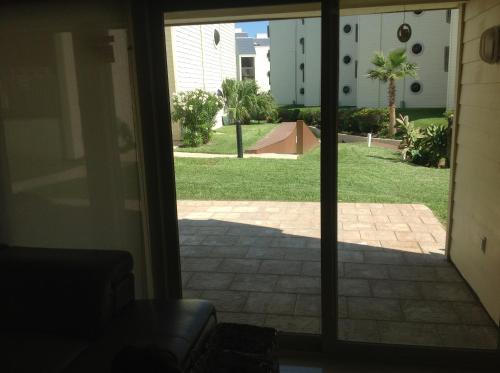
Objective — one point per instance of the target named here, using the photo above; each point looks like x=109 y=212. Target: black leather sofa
x=74 y=311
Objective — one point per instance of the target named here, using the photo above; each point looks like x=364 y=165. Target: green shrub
x=409 y=135
x=274 y=118
x=288 y=115
x=362 y=121
x=345 y=123
x=449 y=114
x=350 y=120
x=196 y=111
x=369 y=120
x=431 y=148
x=312 y=117
x=426 y=147
x=265 y=108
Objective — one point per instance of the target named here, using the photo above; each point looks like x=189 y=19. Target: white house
x=253 y=58
x=199 y=57
x=295 y=59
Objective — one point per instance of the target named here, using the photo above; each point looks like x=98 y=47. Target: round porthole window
x=417 y=48
x=404 y=33
x=216 y=37
x=347 y=59
x=346 y=89
x=347 y=28
x=418 y=12
x=416 y=87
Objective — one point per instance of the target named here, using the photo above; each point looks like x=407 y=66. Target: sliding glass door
x=250 y=227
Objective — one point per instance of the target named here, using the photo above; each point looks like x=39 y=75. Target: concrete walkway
x=209 y=155
x=259 y=262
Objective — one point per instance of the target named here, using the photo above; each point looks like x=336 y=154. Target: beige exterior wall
x=476 y=198
x=283 y=55
x=369 y=40
x=287 y=79
x=262 y=67
x=195 y=62
x=312 y=62
x=376 y=32
x=347 y=73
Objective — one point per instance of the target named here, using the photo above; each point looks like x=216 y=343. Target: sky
x=253 y=27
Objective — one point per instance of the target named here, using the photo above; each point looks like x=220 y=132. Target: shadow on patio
x=402 y=291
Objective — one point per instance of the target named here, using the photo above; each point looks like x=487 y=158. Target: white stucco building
x=295 y=59
x=200 y=57
x=253 y=58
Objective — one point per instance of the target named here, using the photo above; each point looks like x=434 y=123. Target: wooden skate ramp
x=288 y=138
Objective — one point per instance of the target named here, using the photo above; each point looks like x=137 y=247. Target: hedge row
x=312 y=116
x=351 y=120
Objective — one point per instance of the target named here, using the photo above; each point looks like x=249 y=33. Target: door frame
x=152 y=86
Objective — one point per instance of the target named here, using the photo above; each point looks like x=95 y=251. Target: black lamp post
x=239 y=140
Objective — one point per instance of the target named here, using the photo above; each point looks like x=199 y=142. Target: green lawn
x=424 y=117
x=365 y=175
x=224 y=139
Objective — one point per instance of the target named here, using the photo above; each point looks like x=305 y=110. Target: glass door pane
x=249 y=228
x=396 y=285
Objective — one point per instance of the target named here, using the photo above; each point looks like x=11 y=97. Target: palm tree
x=389 y=69
x=240 y=98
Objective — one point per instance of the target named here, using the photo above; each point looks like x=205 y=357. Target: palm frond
x=397 y=57
x=378 y=74
x=379 y=60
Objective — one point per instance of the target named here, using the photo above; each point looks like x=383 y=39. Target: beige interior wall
x=69 y=172
x=476 y=198
x=176 y=127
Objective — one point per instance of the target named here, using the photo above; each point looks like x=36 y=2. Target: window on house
x=446 y=58
x=302 y=68
x=216 y=37
x=448 y=16
x=302 y=43
x=417 y=49
x=416 y=87
x=247 y=61
x=248 y=68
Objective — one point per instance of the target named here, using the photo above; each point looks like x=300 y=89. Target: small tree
x=265 y=108
x=389 y=69
x=240 y=98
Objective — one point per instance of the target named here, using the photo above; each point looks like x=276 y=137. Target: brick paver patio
x=259 y=262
